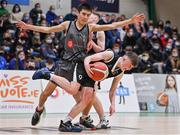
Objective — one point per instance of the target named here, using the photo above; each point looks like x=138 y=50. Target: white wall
x=169 y=11
x=130 y=7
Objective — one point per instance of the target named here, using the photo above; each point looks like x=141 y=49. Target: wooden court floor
x=121 y=124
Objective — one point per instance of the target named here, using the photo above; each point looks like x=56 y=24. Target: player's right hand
x=87 y=67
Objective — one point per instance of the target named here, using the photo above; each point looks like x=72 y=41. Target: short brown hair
x=133 y=57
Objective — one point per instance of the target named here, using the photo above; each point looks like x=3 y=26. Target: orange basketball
x=162 y=99
x=100 y=71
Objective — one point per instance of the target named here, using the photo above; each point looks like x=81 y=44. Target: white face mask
x=169 y=47
x=145 y=58
x=49 y=41
x=177 y=43
x=174 y=54
x=116 y=50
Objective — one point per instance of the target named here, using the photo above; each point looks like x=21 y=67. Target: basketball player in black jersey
x=77 y=33
x=116 y=65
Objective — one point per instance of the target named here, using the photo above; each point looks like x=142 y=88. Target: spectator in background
x=173 y=62
x=168 y=28
x=26 y=18
x=35 y=14
x=71 y=16
x=47 y=49
x=3 y=62
x=16 y=14
x=157 y=57
x=50 y=64
x=36 y=43
x=3 y=10
x=51 y=15
x=145 y=64
x=31 y=64
x=160 y=26
x=143 y=44
x=129 y=39
x=117 y=46
x=18 y=62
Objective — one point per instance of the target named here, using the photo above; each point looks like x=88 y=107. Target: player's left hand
x=111 y=110
x=138 y=18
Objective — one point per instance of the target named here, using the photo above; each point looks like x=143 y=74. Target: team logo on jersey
x=70 y=43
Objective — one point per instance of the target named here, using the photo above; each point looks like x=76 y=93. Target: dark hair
x=84 y=6
x=133 y=57
x=16 y=5
x=2 y=1
x=167 y=85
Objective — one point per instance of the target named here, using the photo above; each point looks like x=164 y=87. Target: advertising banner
x=18 y=93
x=157 y=92
x=126 y=98
x=20 y=2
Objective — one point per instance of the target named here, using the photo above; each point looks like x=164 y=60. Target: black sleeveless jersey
x=76 y=42
x=110 y=64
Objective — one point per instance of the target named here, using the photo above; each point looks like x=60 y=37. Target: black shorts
x=65 y=69
x=82 y=76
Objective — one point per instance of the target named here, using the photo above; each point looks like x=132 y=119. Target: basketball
x=162 y=99
x=100 y=71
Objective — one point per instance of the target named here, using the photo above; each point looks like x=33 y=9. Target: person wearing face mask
x=18 y=62
x=3 y=62
x=116 y=46
x=51 y=15
x=157 y=57
x=129 y=39
x=143 y=44
x=173 y=62
x=168 y=28
x=35 y=13
x=177 y=44
x=16 y=14
x=145 y=64
x=26 y=17
x=3 y=10
x=47 y=49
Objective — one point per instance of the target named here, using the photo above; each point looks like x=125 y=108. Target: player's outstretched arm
x=135 y=19
x=21 y=25
x=113 y=88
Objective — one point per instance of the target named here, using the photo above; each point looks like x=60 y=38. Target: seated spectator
x=3 y=10
x=71 y=16
x=3 y=62
x=50 y=64
x=129 y=39
x=47 y=48
x=31 y=64
x=117 y=46
x=145 y=64
x=35 y=13
x=16 y=14
x=156 y=56
x=143 y=44
x=18 y=62
x=173 y=63
x=51 y=15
